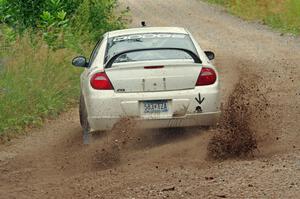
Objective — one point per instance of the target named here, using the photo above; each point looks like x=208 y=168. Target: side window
x=95 y=52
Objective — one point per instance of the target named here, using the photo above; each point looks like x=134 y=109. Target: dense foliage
x=38 y=38
x=22 y=14
x=60 y=20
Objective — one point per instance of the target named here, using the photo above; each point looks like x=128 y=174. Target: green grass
x=283 y=15
x=37 y=80
x=35 y=83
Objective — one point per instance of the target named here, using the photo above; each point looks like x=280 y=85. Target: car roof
x=147 y=30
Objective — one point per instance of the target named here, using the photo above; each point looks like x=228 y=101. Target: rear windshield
x=158 y=40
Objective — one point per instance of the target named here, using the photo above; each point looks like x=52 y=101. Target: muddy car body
x=159 y=76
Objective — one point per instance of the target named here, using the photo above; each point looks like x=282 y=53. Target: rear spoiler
x=116 y=56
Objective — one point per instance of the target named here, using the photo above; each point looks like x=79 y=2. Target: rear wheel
x=84 y=121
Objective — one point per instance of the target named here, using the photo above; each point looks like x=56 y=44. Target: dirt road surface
x=51 y=162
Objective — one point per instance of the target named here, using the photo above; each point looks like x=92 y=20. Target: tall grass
x=35 y=82
x=279 y=14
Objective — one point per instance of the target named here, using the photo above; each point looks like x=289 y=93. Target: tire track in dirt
x=51 y=162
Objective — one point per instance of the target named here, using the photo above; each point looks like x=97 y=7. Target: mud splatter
x=115 y=141
x=235 y=136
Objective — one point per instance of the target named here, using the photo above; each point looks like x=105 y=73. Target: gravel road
x=264 y=65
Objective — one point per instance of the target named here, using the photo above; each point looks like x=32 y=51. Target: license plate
x=157 y=106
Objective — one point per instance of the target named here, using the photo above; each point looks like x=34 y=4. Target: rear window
x=150 y=40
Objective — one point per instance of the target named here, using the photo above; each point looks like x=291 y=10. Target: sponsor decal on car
x=148 y=36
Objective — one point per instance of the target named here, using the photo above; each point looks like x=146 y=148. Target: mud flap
x=84 y=122
x=86 y=132
x=86 y=136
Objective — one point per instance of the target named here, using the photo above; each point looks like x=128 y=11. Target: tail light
x=100 y=81
x=207 y=77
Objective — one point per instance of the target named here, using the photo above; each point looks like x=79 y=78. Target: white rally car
x=159 y=76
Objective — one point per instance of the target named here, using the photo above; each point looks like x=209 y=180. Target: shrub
x=95 y=17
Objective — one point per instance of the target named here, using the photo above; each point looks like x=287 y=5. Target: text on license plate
x=157 y=106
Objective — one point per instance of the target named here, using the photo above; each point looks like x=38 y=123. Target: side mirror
x=80 y=61
x=210 y=55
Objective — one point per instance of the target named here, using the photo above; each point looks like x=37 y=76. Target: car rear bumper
x=194 y=107
x=204 y=119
